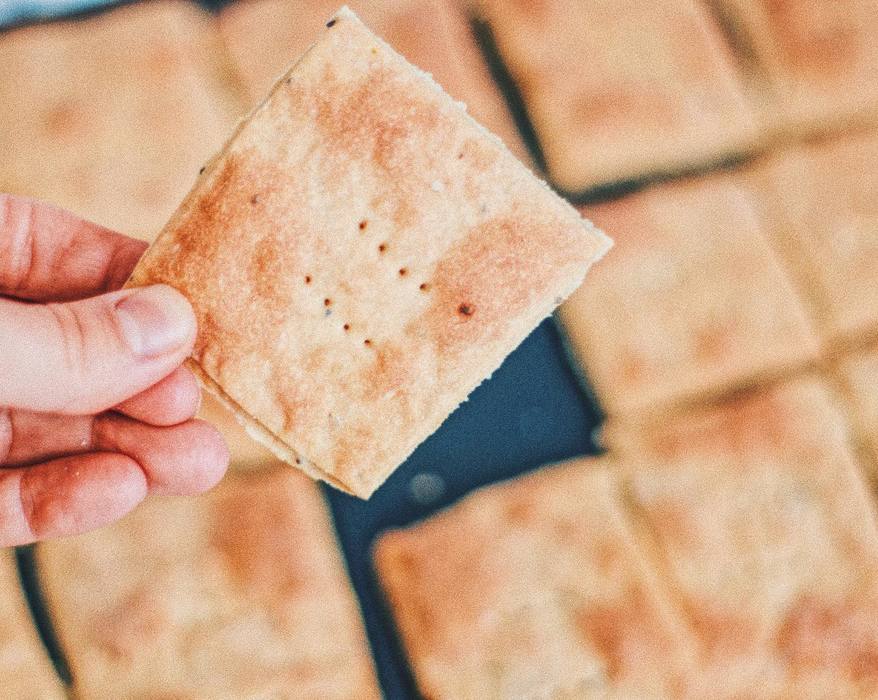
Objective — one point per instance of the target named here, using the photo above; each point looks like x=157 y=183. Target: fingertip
x=173 y=400
x=180 y=460
x=72 y=495
x=211 y=460
x=156 y=321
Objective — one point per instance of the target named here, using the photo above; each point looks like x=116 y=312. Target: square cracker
x=826 y=227
x=535 y=588
x=111 y=116
x=858 y=373
x=690 y=303
x=25 y=670
x=264 y=36
x=360 y=256
x=815 y=60
x=618 y=89
x=240 y=593
x=768 y=539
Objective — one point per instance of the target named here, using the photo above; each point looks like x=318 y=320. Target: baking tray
x=532 y=411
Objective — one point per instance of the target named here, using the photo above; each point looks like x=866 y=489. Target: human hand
x=95 y=408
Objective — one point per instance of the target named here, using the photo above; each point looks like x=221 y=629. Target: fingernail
x=155 y=320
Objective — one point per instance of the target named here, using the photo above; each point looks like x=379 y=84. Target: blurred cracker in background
x=814 y=63
x=618 y=89
x=859 y=379
x=824 y=200
x=690 y=303
x=767 y=538
x=534 y=588
x=112 y=115
x=239 y=593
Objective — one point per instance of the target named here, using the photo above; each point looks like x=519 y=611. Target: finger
x=173 y=400
x=67 y=496
x=182 y=460
x=28 y=438
x=86 y=356
x=48 y=254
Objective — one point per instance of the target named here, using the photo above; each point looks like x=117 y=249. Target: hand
x=95 y=408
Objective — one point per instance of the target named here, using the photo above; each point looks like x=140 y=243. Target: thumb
x=86 y=356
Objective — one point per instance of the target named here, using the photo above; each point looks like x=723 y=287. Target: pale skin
x=96 y=409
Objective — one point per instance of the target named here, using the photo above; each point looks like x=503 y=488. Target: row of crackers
x=621 y=91
x=614 y=93
x=731 y=552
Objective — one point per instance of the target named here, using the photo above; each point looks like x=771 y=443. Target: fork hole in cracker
x=423 y=286
x=362 y=225
x=403 y=272
x=382 y=248
x=307 y=279
x=346 y=327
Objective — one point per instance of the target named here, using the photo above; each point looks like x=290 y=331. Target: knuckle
x=71 y=332
x=18 y=249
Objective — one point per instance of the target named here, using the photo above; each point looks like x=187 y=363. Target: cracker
x=25 y=670
x=691 y=302
x=815 y=61
x=533 y=589
x=767 y=536
x=617 y=90
x=240 y=593
x=360 y=256
x=859 y=377
x=264 y=36
x=826 y=227
x=111 y=116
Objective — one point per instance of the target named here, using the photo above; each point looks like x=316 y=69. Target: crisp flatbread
x=240 y=593
x=111 y=116
x=535 y=588
x=826 y=227
x=360 y=256
x=768 y=540
x=813 y=61
x=25 y=670
x=690 y=303
x=617 y=89
x=264 y=36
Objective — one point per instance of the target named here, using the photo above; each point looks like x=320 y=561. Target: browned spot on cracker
x=815 y=37
x=498 y=268
x=616 y=629
x=271 y=570
x=65 y=120
x=840 y=636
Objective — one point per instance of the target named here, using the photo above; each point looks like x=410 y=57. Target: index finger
x=48 y=254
